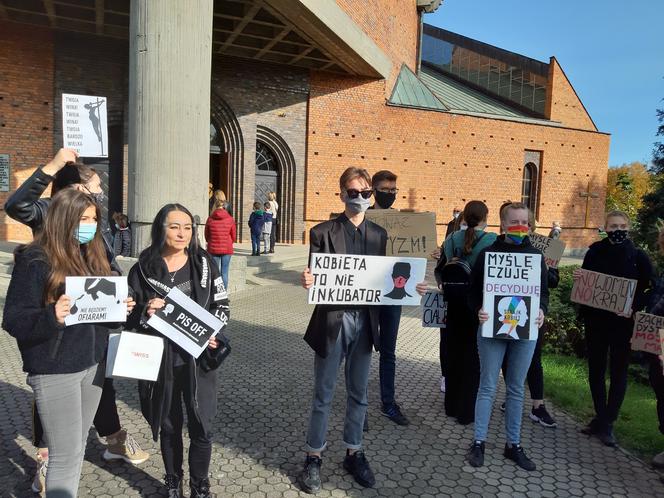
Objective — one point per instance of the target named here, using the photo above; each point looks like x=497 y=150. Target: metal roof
x=409 y=91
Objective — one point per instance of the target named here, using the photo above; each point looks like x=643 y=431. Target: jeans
x=255 y=243
x=389 y=328
x=67 y=404
x=492 y=351
x=200 y=446
x=535 y=372
x=354 y=344
x=223 y=262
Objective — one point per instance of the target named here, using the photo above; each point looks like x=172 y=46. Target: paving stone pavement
x=265 y=392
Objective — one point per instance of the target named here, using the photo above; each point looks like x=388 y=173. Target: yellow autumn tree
x=626 y=186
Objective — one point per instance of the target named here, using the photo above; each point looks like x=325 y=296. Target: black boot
x=201 y=490
x=174 y=486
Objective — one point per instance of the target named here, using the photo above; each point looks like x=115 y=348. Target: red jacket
x=220 y=232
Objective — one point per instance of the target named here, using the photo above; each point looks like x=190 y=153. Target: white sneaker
x=442 y=384
x=39 y=482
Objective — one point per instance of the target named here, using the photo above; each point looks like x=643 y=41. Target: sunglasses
x=353 y=193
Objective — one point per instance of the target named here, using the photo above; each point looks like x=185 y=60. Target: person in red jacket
x=220 y=234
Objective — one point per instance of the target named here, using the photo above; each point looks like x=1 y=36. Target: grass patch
x=566 y=385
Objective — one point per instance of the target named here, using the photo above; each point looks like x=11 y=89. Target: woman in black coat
x=608 y=334
x=175 y=260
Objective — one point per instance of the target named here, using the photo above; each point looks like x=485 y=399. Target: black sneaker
x=591 y=429
x=516 y=453
x=475 y=456
x=202 y=490
x=309 y=478
x=608 y=438
x=174 y=486
x=359 y=468
x=393 y=412
x=541 y=416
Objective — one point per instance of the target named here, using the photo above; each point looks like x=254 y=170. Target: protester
x=453 y=224
x=267 y=227
x=608 y=334
x=336 y=333
x=463 y=369
x=61 y=361
x=122 y=236
x=656 y=375
x=556 y=230
x=27 y=206
x=220 y=235
x=384 y=185
x=174 y=259
x=216 y=198
x=256 y=221
x=514 y=223
x=272 y=199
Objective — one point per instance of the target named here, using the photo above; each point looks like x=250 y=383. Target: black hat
x=401 y=269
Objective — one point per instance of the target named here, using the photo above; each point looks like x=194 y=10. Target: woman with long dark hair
x=463 y=366
x=62 y=362
x=174 y=259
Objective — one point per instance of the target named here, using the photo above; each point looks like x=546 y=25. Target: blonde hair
x=618 y=214
x=271 y=196
x=513 y=206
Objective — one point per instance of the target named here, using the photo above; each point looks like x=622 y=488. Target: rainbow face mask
x=517 y=233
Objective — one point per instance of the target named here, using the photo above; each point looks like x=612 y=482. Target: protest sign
x=552 y=249
x=96 y=299
x=84 y=125
x=434 y=310
x=4 y=173
x=646 y=333
x=604 y=292
x=408 y=234
x=185 y=322
x=512 y=284
x=135 y=356
x=367 y=280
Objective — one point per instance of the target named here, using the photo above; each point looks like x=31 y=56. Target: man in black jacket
x=28 y=207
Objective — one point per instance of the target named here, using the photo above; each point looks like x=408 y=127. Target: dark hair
x=158 y=231
x=267 y=205
x=474 y=213
x=383 y=176
x=257 y=205
x=71 y=174
x=351 y=173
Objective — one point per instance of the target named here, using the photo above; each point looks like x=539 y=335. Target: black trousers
x=443 y=352
x=608 y=342
x=200 y=448
x=273 y=235
x=656 y=377
x=463 y=362
x=106 y=421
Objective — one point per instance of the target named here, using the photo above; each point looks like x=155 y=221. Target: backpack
x=455 y=274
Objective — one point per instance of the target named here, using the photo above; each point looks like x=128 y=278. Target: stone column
x=170 y=64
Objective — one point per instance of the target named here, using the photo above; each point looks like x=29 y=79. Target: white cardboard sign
x=512 y=295
x=84 y=126
x=135 y=356
x=96 y=299
x=366 y=280
x=185 y=322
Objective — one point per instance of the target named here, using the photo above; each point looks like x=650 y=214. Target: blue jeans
x=355 y=346
x=492 y=351
x=255 y=243
x=223 y=262
x=389 y=328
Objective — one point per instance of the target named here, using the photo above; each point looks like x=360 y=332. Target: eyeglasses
x=353 y=193
x=388 y=190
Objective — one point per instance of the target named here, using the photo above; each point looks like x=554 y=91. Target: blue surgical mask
x=357 y=205
x=86 y=232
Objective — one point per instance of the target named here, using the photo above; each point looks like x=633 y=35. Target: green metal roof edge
x=410 y=91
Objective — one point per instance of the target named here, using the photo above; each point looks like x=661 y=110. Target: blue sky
x=612 y=51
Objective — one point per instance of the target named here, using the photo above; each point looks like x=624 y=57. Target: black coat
x=325 y=323
x=46 y=346
x=148 y=279
x=26 y=206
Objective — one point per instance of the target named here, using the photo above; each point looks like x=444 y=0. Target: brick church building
x=292 y=92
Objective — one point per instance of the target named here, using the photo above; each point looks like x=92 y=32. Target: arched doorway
x=220 y=169
x=267 y=172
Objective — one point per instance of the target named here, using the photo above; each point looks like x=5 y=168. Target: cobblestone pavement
x=264 y=401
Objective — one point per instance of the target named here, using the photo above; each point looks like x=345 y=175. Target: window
x=265 y=160
x=529 y=186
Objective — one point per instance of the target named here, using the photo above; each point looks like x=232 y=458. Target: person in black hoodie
x=174 y=259
x=608 y=334
x=514 y=222
x=61 y=361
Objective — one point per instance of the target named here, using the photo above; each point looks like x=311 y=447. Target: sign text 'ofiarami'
x=367 y=280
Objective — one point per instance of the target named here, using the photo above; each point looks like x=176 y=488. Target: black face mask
x=617 y=236
x=385 y=199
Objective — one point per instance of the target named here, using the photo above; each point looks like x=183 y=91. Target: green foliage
x=625 y=187
x=564 y=332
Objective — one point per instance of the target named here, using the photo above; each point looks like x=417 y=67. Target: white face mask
x=463 y=226
x=456 y=215
x=357 y=205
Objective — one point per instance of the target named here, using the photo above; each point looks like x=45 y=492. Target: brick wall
x=563 y=104
x=26 y=109
x=444 y=159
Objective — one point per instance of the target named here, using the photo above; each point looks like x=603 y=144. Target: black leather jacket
x=26 y=206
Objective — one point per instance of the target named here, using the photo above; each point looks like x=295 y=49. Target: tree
x=626 y=186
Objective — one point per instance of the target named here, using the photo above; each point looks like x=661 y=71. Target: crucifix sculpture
x=588 y=195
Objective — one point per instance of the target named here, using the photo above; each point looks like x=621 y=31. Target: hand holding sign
x=63 y=157
x=307 y=278
x=62 y=307
x=154 y=304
